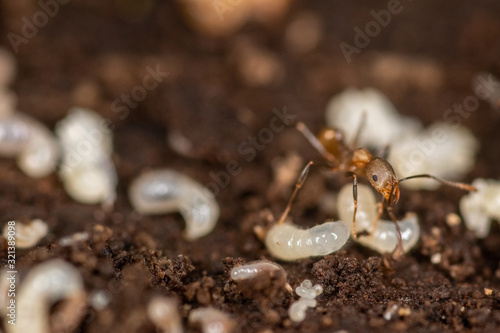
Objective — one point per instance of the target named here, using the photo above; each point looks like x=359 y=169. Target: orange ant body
x=359 y=162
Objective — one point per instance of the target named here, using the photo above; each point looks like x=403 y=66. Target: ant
x=359 y=162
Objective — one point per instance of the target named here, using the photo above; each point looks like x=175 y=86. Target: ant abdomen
x=332 y=141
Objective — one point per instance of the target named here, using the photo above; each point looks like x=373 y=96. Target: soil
x=91 y=53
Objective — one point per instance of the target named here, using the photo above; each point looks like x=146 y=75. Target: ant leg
x=298 y=185
x=380 y=207
x=358 y=131
x=314 y=142
x=461 y=186
x=355 y=197
x=398 y=251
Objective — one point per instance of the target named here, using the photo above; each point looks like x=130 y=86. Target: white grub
x=442 y=150
x=45 y=284
x=164 y=313
x=385 y=237
x=383 y=123
x=31 y=142
x=87 y=171
x=288 y=242
x=479 y=208
x=211 y=320
x=72 y=239
x=27 y=235
x=253 y=269
x=308 y=294
x=164 y=191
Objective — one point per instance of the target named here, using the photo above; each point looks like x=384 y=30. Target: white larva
x=164 y=313
x=166 y=191
x=31 y=142
x=87 y=171
x=479 y=208
x=385 y=237
x=441 y=150
x=211 y=320
x=45 y=284
x=254 y=269
x=383 y=126
x=288 y=242
x=27 y=235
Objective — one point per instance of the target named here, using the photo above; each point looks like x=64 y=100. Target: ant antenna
x=461 y=186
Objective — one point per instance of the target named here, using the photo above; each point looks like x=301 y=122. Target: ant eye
x=375 y=178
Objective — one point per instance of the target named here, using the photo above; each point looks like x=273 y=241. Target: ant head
x=383 y=178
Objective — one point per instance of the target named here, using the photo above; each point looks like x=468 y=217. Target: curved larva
x=27 y=235
x=478 y=208
x=166 y=191
x=255 y=268
x=288 y=242
x=34 y=145
x=385 y=236
x=47 y=283
x=87 y=171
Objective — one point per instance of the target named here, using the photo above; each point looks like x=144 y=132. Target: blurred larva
x=166 y=191
x=288 y=242
x=164 y=313
x=45 y=284
x=87 y=171
x=385 y=236
x=31 y=142
x=211 y=320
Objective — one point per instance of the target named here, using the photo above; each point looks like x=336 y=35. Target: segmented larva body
x=385 y=237
x=254 y=268
x=166 y=191
x=87 y=171
x=47 y=283
x=35 y=147
x=288 y=242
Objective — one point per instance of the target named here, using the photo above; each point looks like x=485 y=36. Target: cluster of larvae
x=444 y=149
x=287 y=241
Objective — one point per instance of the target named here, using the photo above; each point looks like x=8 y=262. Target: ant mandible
x=359 y=162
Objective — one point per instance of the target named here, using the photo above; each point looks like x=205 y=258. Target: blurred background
x=188 y=84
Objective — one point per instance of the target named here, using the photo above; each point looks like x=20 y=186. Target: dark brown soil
x=89 y=55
